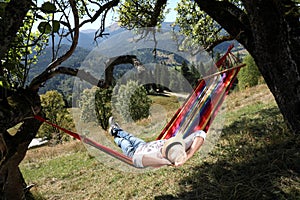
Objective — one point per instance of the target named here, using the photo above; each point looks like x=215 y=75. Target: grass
x=256 y=157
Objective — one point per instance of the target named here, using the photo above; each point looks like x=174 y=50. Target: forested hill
x=86 y=43
x=64 y=84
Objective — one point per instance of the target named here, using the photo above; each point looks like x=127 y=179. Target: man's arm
x=197 y=143
x=150 y=161
x=195 y=146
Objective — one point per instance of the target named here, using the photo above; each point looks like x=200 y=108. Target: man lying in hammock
x=174 y=151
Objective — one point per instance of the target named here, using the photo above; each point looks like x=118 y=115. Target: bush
x=95 y=105
x=249 y=75
x=54 y=107
x=131 y=101
x=87 y=105
x=103 y=106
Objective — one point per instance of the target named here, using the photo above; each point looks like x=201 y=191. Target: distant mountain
x=115 y=46
x=62 y=83
x=86 y=37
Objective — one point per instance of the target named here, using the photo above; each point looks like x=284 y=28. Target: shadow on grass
x=261 y=161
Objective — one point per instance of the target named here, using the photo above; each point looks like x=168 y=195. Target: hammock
x=201 y=107
x=198 y=111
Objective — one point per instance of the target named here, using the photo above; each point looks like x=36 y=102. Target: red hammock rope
x=86 y=140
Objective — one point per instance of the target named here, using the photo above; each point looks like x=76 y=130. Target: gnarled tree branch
x=35 y=84
x=82 y=74
x=219 y=41
x=230 y=17
x=126 y=59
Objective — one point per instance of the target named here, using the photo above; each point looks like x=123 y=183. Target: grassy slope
x=255 y=158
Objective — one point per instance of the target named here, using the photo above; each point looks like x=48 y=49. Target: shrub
x=103 y=106
x=249 y=75
x=131 y=101
x=54 y=107
x=87 y=105
x=95 y=105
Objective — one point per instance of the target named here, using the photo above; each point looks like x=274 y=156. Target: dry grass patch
x=253 y=95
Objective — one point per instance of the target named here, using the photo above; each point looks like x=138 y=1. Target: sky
x=170 y=17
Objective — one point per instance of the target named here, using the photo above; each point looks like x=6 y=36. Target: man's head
x=174 y=149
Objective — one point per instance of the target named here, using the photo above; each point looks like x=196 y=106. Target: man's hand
x=177 y=164
x=197 y=143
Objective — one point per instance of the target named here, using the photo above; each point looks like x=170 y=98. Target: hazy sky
x=171 y=4
x=169 y=18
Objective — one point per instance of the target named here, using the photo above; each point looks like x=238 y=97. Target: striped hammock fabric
x=200 y=109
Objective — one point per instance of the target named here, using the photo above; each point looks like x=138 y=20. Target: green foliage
x=175 y=82
x=132 y=101
x=95 y=104
x=29 y=42
x=47 y=26
x=132 y=14
x=196 y=24
x=54 y=108
x=103 y=106
x=23 y=52
x=249 y=75
x=48 y=7
x=87 y=105
x=190 y=74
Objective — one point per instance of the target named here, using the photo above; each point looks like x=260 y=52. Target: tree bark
x=270 y=33
x=276 y=51
x=10 y=22
x=19 y=107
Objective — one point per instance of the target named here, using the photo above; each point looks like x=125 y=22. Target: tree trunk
x=276 y=46
x=11 y=20
x=269 y=30
x=19 y=107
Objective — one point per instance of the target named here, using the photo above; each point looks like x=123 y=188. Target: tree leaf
x=48 y=7
x=55 y=26
x=44 y=27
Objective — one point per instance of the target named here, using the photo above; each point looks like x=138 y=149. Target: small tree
x=95 y=105
x=175 y=85
x=132 y=101
x=54 y=108
x=196 y=75
x=103 y=106
x=249 y=75
x=87 y=105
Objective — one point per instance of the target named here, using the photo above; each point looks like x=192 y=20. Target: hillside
x=64 y=84
x=87 y=41
x=256 y=157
